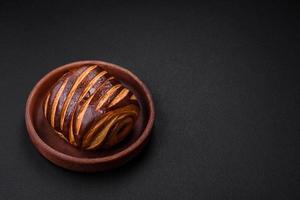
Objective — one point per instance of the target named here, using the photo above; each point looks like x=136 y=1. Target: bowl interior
x=46 y=132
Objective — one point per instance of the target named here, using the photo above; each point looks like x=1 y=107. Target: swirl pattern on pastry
x=90 y=109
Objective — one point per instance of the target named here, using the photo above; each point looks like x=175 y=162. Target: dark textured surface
x=225 y=82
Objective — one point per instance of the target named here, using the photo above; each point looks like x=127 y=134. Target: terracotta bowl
x=52 y=147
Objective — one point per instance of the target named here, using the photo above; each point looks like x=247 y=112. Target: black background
x=225 y=82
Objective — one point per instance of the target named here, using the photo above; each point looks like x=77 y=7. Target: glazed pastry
x=90 y=109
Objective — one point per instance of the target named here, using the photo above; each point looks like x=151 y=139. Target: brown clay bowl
x=52 y=147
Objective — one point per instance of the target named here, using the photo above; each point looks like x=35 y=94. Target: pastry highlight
x=91 y=109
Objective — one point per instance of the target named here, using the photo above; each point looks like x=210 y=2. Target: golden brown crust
x=91 y=109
